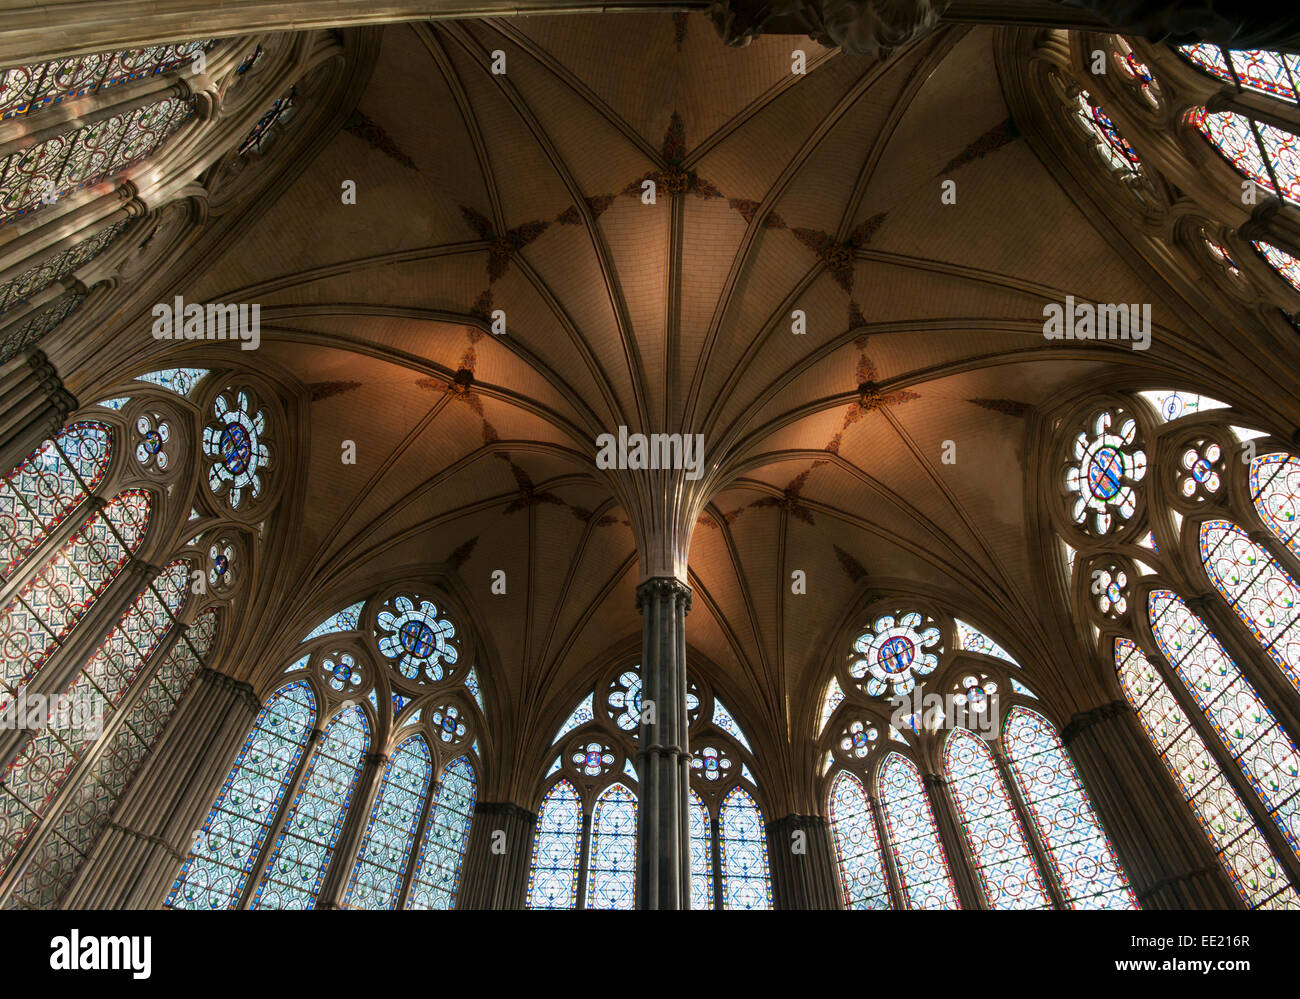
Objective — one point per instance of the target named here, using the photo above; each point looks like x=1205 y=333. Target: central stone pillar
x=663 y=760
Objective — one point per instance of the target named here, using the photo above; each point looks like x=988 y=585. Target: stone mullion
x=421 y=830
x=1037 y=848
x=34 y=405
x=584 y=859
x=141 y=851
x=86 y=764
x=1222 y=753
x=663 y=758
x=960 y=861
x=896 y=894
x=281 y=816
x=42 y=234
x=805 y=880
x=494 y=880
x=715 y=859
x=348 y=845
x=1169 y=861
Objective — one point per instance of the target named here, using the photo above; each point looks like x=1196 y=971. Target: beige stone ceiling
x=672 y=316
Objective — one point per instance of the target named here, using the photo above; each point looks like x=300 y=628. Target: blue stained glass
x=857 y=847
x=1174 y=405
x=746 y=881
x=344 y=620
x=833 y=698
x=722 y=718
x=1003 y=861
x=581 y=715
x=471 y=683
x=701 y=854
x=113 y=404
x=446 y=834
x=611 y=870
x=914 y=838
x=973 y=640
x=1275 y=492
x=1021 y=689
x=302 y=853
x=231 y=839
x=48 y=485
x=553 y=877
x=420 y=643
x=380 y=867
x=1086 y=868
x=178 y=380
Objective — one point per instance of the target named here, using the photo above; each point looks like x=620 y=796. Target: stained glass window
x=57 y=597
x=581 y=715
x=36 y=279
x=998 y=844
x=302 y=853
x=722 y=718
x=553 y=878
x=235 y=444
x=1107 y=465
x=1282 y=262
x=446 y=835
x=973 y=640
x=51 y=169
x=1272 y=73
x=417 y=639
x=746 y=882
x=611 y=871
x=25 y=89
x=231 y=839
x=1242 y=849
x=260 y=137
x=1275 y=491
x=832 y=699
x=857 y=847
x=1113 y=145
x=1247 y=728
x=1262 y=593
x=73 y=834
x=1268 y=155
x=47 y=485
x=1174 y=405
x=380 y=867
x=179 y=380
x=913 y=837
x=701 y=854
x=894 y=653
x=1083 y=861
x=344 y=620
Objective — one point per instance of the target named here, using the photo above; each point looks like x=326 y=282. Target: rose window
x=221 y=564
x=976 y=693
x=1106 y=466
x=235 y=445
x=894 y=653
x=448 y=723
x=1110 y=587
x=711 y=763
x=1199 y=470
x=625 y=700
x=858 y=739
x=341 y=672
x=593 y=759
x=411 y=633
x=151 y=445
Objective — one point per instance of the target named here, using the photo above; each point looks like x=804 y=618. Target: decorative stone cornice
x=1085 y=720
x=663 y=588
x=221 y=681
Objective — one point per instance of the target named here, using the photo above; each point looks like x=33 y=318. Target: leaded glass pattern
x=1083 y=861
x=178 y=380
x=1286 y=265
x=831 y=700
x=34 y=328
x=228 y=845
x=419 y=642
x=1238 y=714
x=1174 y=405
x=236 y=447
x=972 y=639
x=263 y=132
x=611 y=870
x=51 y=169
x=553 y=876
x=1106 y=466
x=48 y=485
x=914 y=838
x=55 y=599
x=36 y=279
x=722 y=718
x=297 y=863
x=344 y=620
x=27 y=89
x=1242 y=849
x=1275 y=491
x=380 y=868
x=701 y=854
x=1262 y=593
x=742 y=848
x=1006 y=867
x=446 y=835
x=861 y=864
x=1119 y=154
x=78 y=826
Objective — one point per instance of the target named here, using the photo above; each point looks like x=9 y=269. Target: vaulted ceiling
x=776 y=192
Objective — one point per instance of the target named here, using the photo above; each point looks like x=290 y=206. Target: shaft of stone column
x=803 y=865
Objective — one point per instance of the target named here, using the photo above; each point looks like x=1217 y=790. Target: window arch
x=553 y=874
x=701 y=853
x=923 y=873
x=861 y=863
x=611 y=871
x=746 y=878
x=446 y=836
x=1190 y=675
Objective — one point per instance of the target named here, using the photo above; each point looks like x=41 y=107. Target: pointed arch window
x=1275 y=493
x=298 y=862
x=230 y=842
x=701 y=853
x=446 y=835
x=611 y=870
x=1083 y=861
x=914 y=841
x=858 y=856
x=380 y=868
x=553 y=877
x=742 y=846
